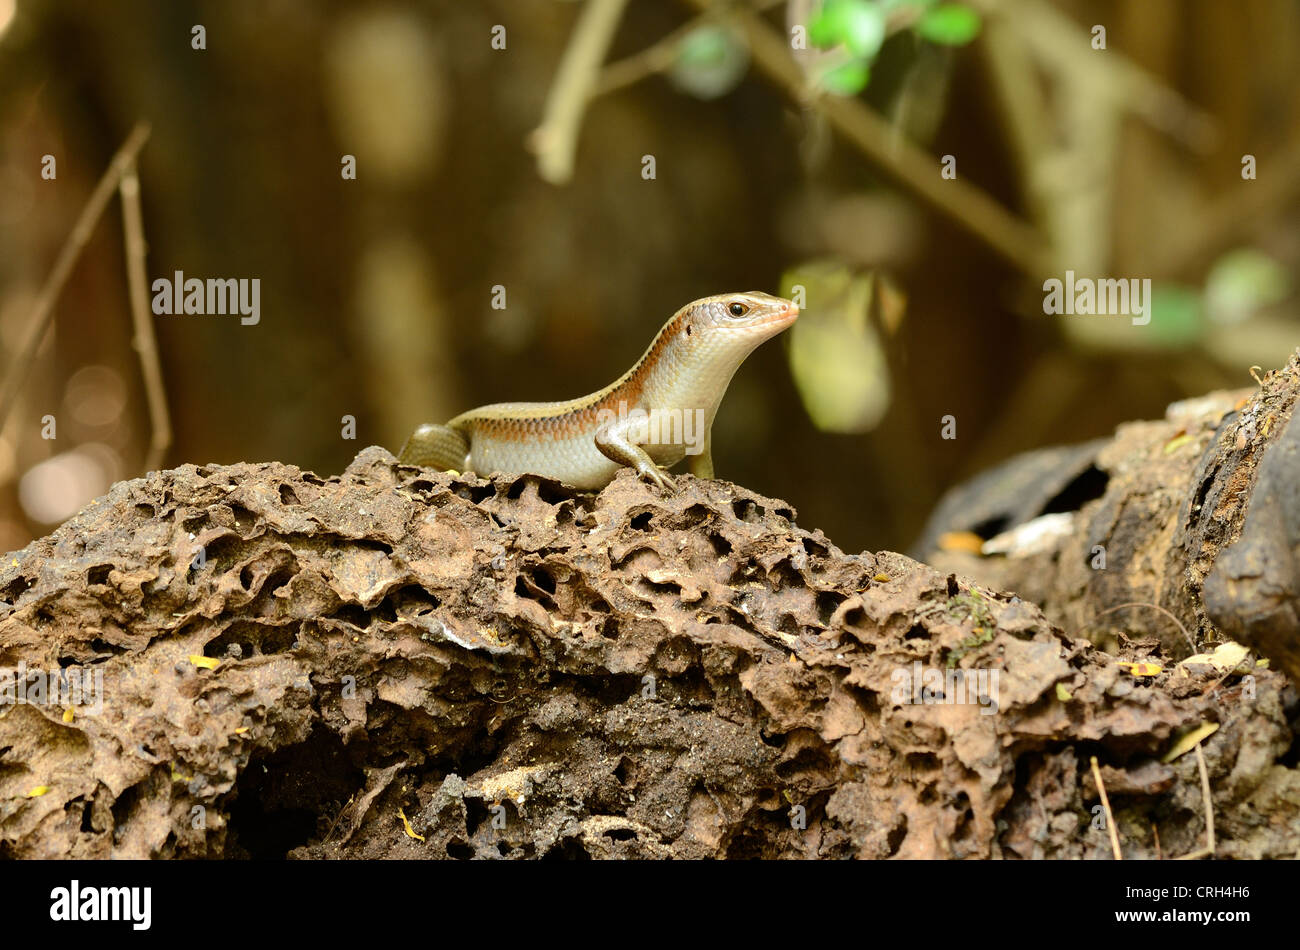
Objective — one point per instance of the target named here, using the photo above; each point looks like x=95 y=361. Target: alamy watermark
x=919 y=685
x=215 y=296
x=1100 y=296
x=684 y=427
x=67 y=687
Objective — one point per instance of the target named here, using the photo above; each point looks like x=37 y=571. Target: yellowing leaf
x=68 y=714
x=1226 y=656
x=1189 y=740
x=1143 y=669
x=38 y=791
x=206 y=662
x=836 y=356
x=882 y=578
x=967 y=541
x=1176 y=443
x=410 y=832
x=1063 y=694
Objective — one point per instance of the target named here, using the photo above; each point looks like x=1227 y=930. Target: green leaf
x=847 y=79
x=710 y=62
x=858 y=25
x=1176 y=315
x=1242 y=282
x=949 y=24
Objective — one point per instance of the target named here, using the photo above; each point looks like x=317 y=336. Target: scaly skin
x=656 y=413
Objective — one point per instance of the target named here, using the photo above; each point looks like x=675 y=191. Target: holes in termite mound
x=220 y=553
x=475 y=494
x=536 y=583
x=126 y=803
x=102 y=646
x=751 y=512
x=763 y=835
x=810 y=754
x=256 y=579
x=641 y=521
x=783 y=575
x=476 y=813
x=814 y=548
x=250 y=638
x=145 y=511
x=98 y=574
x=616 y=688
x=544 y=490
x=16 y=588
x=894 y=840
x=459 y=850
x=413 y=600
x=721 y=546
x=403 y=602
x=695 y=517
x=567 y=849
x=623 y=771
x=288 y=496
x=288 y=798
x=828 y=601
x=1088 y=485
x=355 y=615
x=195 y=523
x=235 y=516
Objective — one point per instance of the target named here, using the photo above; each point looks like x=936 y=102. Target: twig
x=145 y=342
x=1105 y=804
x=1155 y=833
x=555 y=141
x=1242 y=207
x=1137 y=603
x=1208 y=850
x=43 y=314
x=657 y=57
x=914 y=168
x=653 y=59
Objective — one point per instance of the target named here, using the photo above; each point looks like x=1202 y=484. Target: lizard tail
x=435 y=446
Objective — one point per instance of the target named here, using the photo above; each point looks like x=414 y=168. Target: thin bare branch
x=43 y=314
x=555 y=141
x=1105 y=805
x=145 y=341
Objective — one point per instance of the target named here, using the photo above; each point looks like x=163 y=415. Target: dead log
x=1185 y=528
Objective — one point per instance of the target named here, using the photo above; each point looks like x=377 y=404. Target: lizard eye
x=737 y=309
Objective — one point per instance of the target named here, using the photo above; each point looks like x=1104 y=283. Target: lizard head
x=752 y=316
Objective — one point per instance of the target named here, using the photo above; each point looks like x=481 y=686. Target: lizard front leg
x=701 y=463
x=619 y=442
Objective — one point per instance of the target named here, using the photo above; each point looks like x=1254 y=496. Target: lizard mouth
x=784 y=318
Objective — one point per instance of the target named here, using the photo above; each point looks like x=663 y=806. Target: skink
x=656 y=413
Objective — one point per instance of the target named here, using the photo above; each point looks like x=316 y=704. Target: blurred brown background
x=376 y=293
